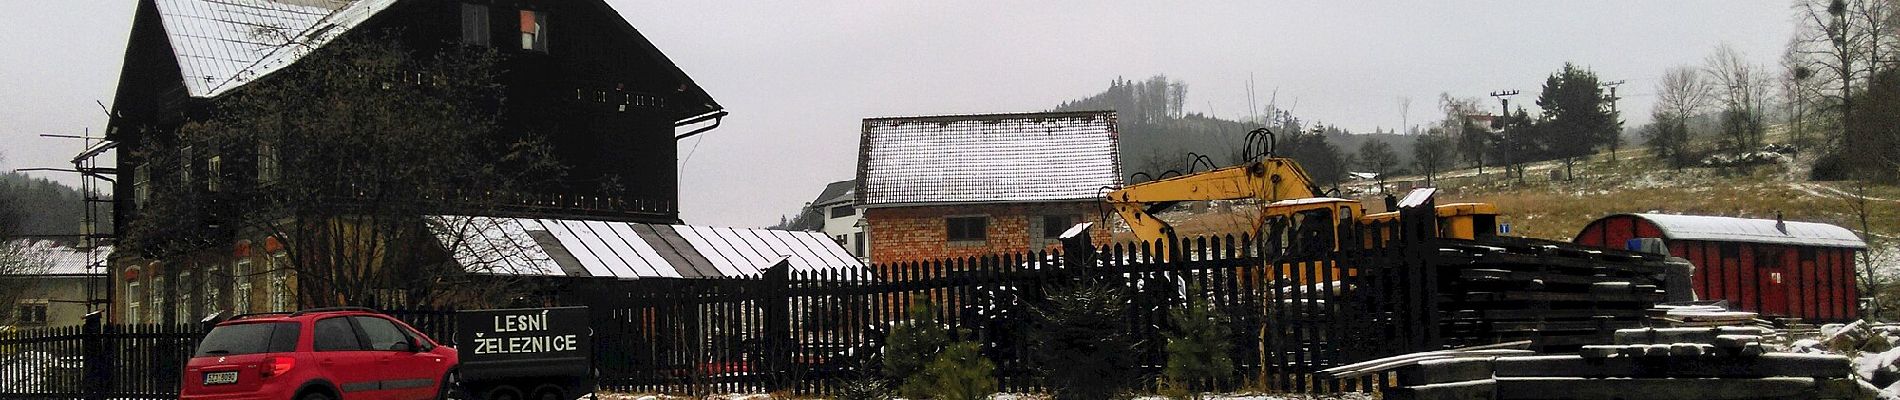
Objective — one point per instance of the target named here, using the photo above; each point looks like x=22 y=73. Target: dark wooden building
x=605 y=98
x=575 y=74
x=1777 y=268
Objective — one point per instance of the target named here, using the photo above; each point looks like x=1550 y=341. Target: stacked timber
x=1559 y=295
x=1667 y=363
x=1704 y=316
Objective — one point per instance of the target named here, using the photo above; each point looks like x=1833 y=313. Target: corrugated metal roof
x=585 y=248
x=1700 y=227
x=987 y=158
x=223 y=44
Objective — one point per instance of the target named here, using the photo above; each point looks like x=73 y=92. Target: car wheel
x=504 y=393
x=314 y=396
x=549 y=394
x=451 y=386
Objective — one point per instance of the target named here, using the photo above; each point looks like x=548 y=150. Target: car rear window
x=253 y=338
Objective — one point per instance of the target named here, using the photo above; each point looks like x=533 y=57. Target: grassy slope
x=1542 y=208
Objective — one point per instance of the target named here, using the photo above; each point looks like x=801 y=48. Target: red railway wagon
x=1777 y=268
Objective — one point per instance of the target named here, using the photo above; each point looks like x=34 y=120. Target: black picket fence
x=1291 y=312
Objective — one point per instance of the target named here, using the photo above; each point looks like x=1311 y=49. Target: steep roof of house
x=1030 y=157
x=224 y=44
x=1729 y=229
x=835 y=192
x=586 y=248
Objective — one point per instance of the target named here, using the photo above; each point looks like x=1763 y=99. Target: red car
x=348 y=353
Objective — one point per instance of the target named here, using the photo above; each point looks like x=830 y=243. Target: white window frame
x=241 y=286
x=184 y=166
x=22 y=317
x=133 y=299
x=267 y=164
x=281 y=297
x=158 y=298
x=214 y=173
x=212 y=291
x=141 y=185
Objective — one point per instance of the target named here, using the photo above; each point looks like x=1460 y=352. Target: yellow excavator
x=1297 y=213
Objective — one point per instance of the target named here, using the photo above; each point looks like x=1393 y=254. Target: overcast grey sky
x=798 y=76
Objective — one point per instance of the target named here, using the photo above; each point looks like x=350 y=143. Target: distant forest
x=43 y=207
x=1158 y=136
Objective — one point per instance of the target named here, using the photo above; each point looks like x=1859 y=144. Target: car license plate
x=221 y=378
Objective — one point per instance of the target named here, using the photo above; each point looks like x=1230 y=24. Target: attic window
x=475 y=25
x=534 y=33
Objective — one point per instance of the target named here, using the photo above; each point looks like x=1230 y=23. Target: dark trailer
x=525 y=353
x=1777 y=268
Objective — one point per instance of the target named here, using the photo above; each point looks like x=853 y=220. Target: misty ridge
x=1157 y=135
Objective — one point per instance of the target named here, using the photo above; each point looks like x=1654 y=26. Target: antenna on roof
x=1780 y=224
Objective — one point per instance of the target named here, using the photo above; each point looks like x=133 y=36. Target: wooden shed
x=1777 y=268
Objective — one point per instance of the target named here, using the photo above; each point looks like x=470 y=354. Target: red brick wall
x=918 y=233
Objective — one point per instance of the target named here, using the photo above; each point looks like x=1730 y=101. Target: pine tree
x=1199 y=347
x=959 y=372
x=1082 y=346
x=911 y=347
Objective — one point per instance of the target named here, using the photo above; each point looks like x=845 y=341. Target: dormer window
x=534 y=31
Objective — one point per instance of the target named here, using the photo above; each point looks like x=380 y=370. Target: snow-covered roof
x=1057 y=156
x=587 y=248
x=47 y=258
x=224 y=44
x=1730 y=229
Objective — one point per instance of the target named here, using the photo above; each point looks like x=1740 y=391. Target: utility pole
x=1504 y=114
x=1616 y=138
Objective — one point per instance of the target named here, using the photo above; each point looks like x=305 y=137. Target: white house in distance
x=843 y=223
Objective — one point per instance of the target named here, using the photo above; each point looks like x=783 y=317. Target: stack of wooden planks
x=1669 y=363
x=1558 y=294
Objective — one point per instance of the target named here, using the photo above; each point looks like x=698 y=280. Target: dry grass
x=1540 y=207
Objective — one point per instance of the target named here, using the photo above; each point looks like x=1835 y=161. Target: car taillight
x=277 y=366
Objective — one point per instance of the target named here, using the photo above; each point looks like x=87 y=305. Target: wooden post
x=97 y=362
x=777 y=341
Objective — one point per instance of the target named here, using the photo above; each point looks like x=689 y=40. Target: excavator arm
x=1270 y=179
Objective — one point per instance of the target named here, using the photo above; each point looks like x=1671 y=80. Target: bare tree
x=1405 y=115
x=1470 y=140
x=1845 y=42
x=1797 y=97
x=1742 y=87
x=1431 y=154
x=1872 y=259
x=1680 y=95
x=1377 y=157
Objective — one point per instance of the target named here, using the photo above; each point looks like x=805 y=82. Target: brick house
x=610 y=105
x=969 y=185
